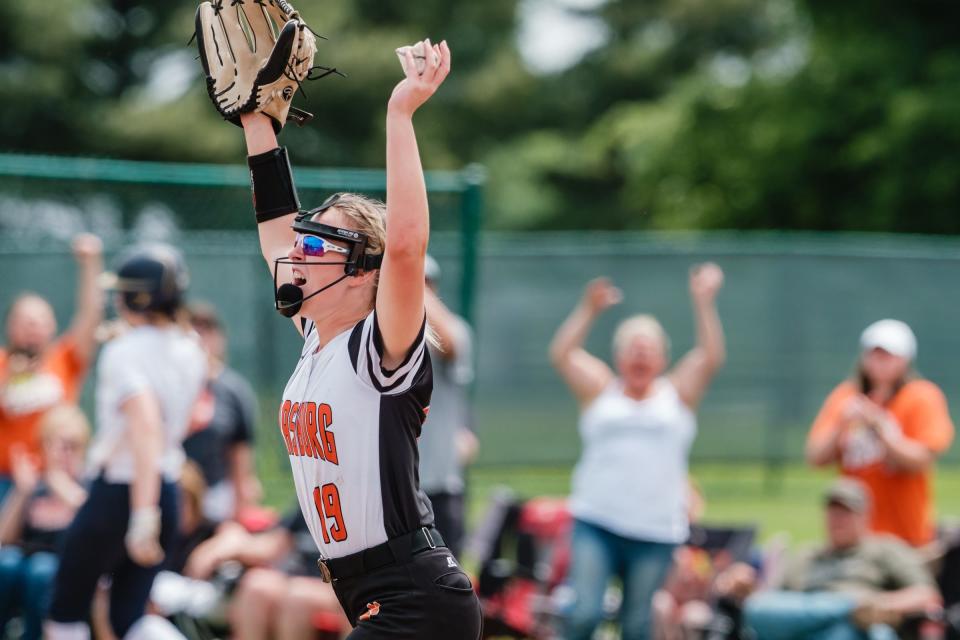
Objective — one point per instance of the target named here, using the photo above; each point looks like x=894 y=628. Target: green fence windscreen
x=793 y=305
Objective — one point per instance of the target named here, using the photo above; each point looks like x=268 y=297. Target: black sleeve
x=271 y=178
x=245 y=410
x=366 y=354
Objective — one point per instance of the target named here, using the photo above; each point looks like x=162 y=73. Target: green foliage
x=801 y=114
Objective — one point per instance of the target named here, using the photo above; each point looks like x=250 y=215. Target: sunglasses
x=316 y=247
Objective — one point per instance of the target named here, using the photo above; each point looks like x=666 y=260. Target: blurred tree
x=819 y=115
x=806 y=114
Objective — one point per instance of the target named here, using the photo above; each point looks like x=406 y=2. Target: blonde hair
x=642 y=324
x=64 y=416
x=192 y=485
x=370 y=218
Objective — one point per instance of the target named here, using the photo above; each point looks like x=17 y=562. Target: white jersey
x=632 y=476
x=165 y=361
x=351 y=428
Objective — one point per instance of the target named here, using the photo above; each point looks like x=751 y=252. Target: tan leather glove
x=255 y=54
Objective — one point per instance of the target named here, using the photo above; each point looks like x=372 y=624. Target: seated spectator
x=886 y=427
x=221 y=433
x=281 y=595
x=857 y=586
x=195 y=527
x=35 y=514
x=172 y=593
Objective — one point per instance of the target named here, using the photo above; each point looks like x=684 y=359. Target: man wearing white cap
x=886 y=426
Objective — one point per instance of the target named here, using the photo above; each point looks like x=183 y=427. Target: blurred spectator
x=195 y=527
x=37 y=512
x=857 y=586
x=174 y=594
x=682 y=601
x=222 y=429
x=39 y=371
x=447 y=443
x=630 y=487
x=886 y=427
x=281 y=595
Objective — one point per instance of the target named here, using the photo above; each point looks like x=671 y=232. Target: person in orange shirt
x=886 y=426
x=38 y=370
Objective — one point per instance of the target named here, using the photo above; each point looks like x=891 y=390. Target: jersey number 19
x=327 y=501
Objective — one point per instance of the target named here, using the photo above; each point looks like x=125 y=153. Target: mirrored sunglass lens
x=313 y=246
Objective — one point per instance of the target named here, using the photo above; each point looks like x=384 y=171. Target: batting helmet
x=152 y=278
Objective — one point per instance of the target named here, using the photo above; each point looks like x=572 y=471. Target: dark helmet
x=152 y=278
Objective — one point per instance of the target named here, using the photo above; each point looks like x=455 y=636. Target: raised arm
x=274 y=199
x=400 y=307
x=449 y=329
x=693 y=373
x=88 y=252
x=585 y=374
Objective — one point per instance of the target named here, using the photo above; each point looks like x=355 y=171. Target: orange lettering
x=312 y=431
x=292 y=428
x=285 y=425
x=302 y=437
x=325 y=420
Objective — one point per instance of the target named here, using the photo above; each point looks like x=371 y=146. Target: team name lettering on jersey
x=305 y=427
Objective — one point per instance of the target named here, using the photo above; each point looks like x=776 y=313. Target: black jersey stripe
x=377 y=343
x=405 y=506
x=403 y=382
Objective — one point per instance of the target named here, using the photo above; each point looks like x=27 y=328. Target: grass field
x=785 y=500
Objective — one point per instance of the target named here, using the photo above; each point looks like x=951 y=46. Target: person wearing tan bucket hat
x=854 y=586
x=886 y=426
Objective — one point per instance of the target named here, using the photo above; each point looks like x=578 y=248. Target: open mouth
x=299 y=278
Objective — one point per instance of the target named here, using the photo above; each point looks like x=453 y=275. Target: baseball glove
x=255 y=54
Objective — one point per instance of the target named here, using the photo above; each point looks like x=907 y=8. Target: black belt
x=395 y=550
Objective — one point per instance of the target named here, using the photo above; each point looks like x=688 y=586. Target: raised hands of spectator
x=706 y=280
x=600 y=295
x=87 y=249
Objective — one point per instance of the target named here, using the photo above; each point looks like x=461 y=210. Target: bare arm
x=693 y=373
x=585 y=374
x=823 y=451
x=906 y=454
x=242 y=476
x=444 y=323
x=88 y=251
x=66 y=488
x=400 y=306
x=11 y=516
x=26 y=475
x=145 y=437
x=145 y=434
x=841 y=408
x=276 y=235
x=233 y=542
x=915 y=599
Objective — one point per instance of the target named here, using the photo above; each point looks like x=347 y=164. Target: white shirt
x=350 y=429
x=167 y=362
x=632 y=476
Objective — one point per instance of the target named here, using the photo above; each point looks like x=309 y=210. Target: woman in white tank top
x=629 y=496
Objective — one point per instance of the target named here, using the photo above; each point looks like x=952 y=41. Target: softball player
x=147 y=381
x=350 y=273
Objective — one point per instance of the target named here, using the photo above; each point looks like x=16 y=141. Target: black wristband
x=271 y=177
